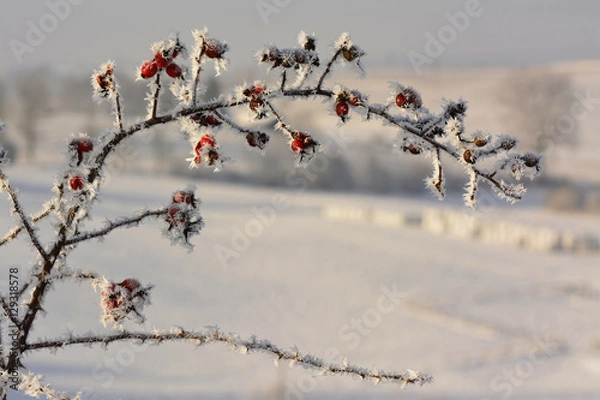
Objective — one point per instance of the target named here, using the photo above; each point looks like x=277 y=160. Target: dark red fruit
x=257 y=140
x=84 y=145
x=342 y=108
x=212 y=50
x=207 y=140
x=182 y=197
x=408 y=98
x=101 y=82
x=257 y=89
x=297 y=145
x=255 y=104
x=148 y=69
x=414 y=149
x=76 y=182
x=175 y=216
x=212 y=120
x=131 y=284
x=400 y=100
x=174 y=70
x=161 y=61
x=354 y=101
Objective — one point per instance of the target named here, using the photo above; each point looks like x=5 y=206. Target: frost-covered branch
x=32 y=386
x=155 y=97
x=243 y=346
x=14 y=232
x=112 y=225
x=78 y=275
x=7 y=313
x=17 y=208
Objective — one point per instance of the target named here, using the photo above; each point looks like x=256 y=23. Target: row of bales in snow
x=465 y=225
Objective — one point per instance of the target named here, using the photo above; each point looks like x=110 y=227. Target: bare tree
x=301 y=74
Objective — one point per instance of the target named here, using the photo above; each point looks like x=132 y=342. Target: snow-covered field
x=487 y=321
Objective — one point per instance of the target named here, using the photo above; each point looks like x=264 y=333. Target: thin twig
x=14 y=232
x=9 y=315
x=328 y=68
x=244 y=346
x=237 y=127
x=283 y=79
x=112 y=225
x=279 y=118
x=118 y=112
x=155 y=98
x=197 y=71
x=24 y=219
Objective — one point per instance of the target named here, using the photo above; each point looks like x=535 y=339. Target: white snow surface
x=467 y=312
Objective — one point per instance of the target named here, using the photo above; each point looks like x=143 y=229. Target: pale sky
x=500 y=32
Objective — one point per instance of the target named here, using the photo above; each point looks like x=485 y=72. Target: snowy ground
x=488 y=322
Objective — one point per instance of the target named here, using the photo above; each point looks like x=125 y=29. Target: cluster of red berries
x=119 y=299
x=409 y=98
x=163 y=59
x=256 y=102
x=104 y=80
x=182 y=214
x=176 y=212
x=343 y=102
x=114 y=298
x=303 y=143
x=206 y=147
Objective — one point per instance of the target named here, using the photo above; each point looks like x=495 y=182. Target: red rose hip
x=182 y=197
x=174 y=70
x=160 y=61
x=76 y=182
x=85 y=145
x=212 y=50
x=297 y=145
x=148 y=69
x=341 y=108
x=400 y=100
x=131 y=284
